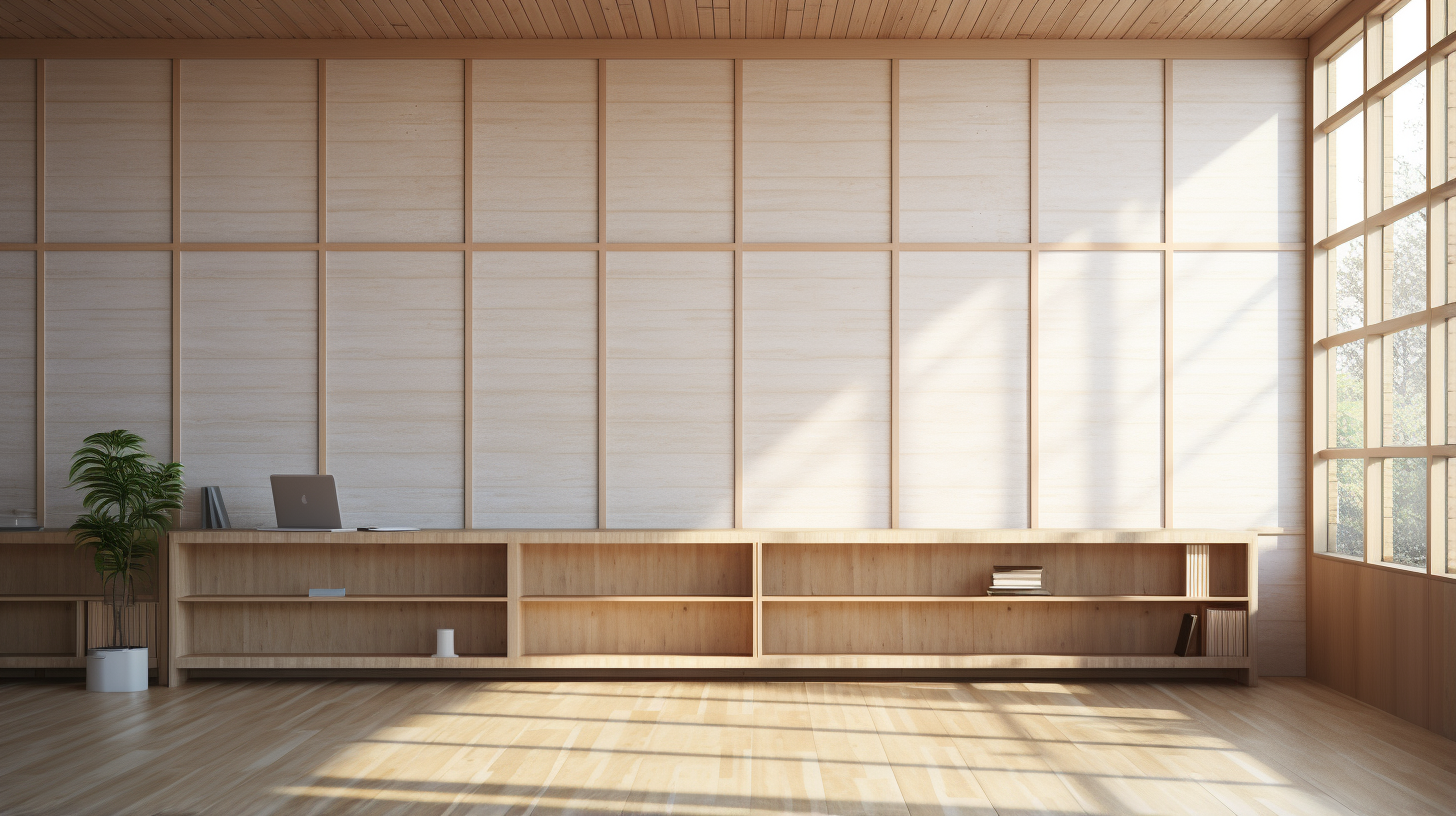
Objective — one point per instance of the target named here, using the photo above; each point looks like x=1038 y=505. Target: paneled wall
x=670 y=293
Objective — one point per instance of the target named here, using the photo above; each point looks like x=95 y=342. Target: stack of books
x=1016 y=581
x=1225 y=634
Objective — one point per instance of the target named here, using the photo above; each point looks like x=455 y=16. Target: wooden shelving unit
x=539 y=602
x=50 y=598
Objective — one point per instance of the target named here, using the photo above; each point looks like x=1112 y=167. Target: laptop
x=306 y=503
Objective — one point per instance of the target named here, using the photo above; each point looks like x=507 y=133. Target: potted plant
x=128 y=497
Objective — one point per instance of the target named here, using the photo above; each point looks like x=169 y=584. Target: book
x=1185 y=635
x=1017 y=591
x=1016 y=580
x=1226 y=633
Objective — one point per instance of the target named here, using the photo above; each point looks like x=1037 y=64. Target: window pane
x=1405 y=511
x=1347 y=510
x=1348 y=309
x=1348 y=427
x=1346 y=80
x=1407 y=108
x=1405 y=265
x=1406 y=424
x=1407 y=37
x=1347 y=173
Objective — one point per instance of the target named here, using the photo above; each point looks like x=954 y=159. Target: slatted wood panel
x=669 y=366
x=1101 y=389
x=816 y=389
x=250 y=362
x=535 y=402
x=108 y=150
x=249 y=156
x=964 y=150
x=1234 y=150
x=963 y=389
x=17 y=404
x=914 y=19
x=108 y=359
x=669 y=150
x=396 y=402
x=396 y=157
x=535 y=150
x=816 y=150
x=17 y=150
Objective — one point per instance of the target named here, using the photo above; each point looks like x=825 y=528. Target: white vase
x=445 y=643
x=116 y=669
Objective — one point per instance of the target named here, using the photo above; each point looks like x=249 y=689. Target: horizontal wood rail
x=1390 y=326
x=1405 y=452
x=1387 y=86
x=1390 y=215
x=726 y=246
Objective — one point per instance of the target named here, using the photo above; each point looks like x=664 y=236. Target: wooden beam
x=1033 y=312
x=468 y=316
x=40 y=294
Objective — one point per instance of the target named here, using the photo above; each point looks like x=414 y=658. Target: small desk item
x=444 y=643
x=388 y=529
x=306 y=501
x=214 y=512
x=1185 y=635
x=326 y=593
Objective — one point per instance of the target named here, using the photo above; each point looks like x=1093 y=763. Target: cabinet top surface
x=744 y=536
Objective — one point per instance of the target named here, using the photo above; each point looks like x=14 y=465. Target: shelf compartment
x=332 y=628
x=411 y=569
x=995 y=598
x=51 y=567
x=638 y=627
x=962 y=569
x=1028 y=626
x=39 y=630
x=344 y=599
x=637 y=598
x=662 y=569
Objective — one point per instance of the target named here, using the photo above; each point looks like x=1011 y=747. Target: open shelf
x=639 y=598
x=327 y=627
x=345 y=599
x=643 y=569
x=45 y=598
x=995 y=599
x=699 y=626
x=427 y=568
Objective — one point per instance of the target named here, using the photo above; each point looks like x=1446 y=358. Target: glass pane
x=1406 y=424
x=1407 y=34
x=1405 y=264
x=1405 y=520
x=1346 y=79
x=1348 y=309
x=1347 y=511
x=1347 y=173
x=1408 y=139
x=1349 y=403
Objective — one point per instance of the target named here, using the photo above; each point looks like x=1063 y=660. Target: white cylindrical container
x=116 y=669
x=445 y=643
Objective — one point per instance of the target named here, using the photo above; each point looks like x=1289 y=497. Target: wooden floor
x=464 y=747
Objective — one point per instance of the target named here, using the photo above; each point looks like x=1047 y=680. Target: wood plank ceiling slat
x=663 y=19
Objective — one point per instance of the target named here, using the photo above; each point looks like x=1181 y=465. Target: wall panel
x=1237 y=150
x=396 y=379
x=17 y=397
x=963 y=389
x=965 y=156
x=816 y=150
x=17 y=150
x=108 y=360
x=1281 y=644
x=535 y=150
x=396 y=158
x=250 y=375
x=669 y=386
x=249 y=150
x=108 y=150
x=670 y=150
x=535 y=417
x=1101 y=389
x=816 y=375
x=1101 y=150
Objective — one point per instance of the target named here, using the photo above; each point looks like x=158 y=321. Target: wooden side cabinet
x=736 y=602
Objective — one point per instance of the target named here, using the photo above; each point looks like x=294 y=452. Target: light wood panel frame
x=322 y=52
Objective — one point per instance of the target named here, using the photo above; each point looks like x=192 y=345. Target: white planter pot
x=116 y=669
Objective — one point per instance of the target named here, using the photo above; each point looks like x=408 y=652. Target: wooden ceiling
x=657 y=19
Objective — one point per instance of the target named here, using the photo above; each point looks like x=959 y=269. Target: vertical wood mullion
x=323 y=266
x=40 y=292
x=894 y=293
x=738 y=293
x=1167 y=509
x=601 y=294
x=1316 y=305
x=1374 y=197
x=467 y=235
x=176 y=260
x=1033 y=406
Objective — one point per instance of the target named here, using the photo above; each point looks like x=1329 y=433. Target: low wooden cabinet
x=738 y=602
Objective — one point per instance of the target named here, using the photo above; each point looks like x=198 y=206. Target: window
x=1388 y=351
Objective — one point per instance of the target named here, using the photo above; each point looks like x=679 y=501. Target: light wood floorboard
x=469 y=748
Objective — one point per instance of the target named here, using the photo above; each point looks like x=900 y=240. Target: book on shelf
x=1185 y=635
x=1016 y=591
x=1015 y=580
x=1225 y=633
